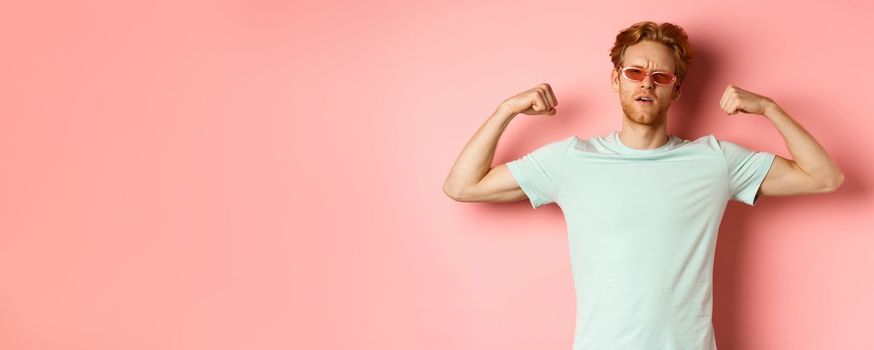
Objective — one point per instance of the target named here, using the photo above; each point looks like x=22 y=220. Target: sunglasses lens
x=662 y=78
x=634 y=74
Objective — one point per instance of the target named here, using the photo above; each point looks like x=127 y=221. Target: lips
x=645 y=98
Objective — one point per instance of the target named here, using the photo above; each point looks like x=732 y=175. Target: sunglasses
x=638 y=74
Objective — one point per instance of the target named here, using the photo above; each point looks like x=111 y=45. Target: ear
x=614 y=80
x=677 y=91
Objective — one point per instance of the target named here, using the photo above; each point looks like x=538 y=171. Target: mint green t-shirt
x=642 y=227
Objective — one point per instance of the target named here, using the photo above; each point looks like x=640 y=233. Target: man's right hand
x=539 y=100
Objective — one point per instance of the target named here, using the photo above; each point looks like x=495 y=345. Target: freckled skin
x=650 y=56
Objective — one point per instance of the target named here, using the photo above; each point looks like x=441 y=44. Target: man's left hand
x=735 y=99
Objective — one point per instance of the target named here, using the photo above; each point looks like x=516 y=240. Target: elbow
x=835 y=182
x=839 y=180
x=452 y=192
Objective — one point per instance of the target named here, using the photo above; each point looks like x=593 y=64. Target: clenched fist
x=735 y=99
x=536 y=101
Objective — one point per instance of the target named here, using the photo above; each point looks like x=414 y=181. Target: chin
x=643 y=118
x=646 y=120
x=640 y=116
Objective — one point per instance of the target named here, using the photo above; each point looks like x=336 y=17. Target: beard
x=645 y=115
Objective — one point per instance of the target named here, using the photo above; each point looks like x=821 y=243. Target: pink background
x=268 y=175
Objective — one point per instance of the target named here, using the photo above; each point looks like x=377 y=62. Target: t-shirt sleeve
x=746 y=170
x=538 y=173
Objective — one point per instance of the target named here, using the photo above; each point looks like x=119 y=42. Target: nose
x=647 y=82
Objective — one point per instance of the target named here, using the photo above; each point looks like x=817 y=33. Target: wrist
x=504 y=112
x=771 y=109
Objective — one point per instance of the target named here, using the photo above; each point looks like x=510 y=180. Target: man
x=642 y=207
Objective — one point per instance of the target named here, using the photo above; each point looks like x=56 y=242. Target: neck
x=639 y=136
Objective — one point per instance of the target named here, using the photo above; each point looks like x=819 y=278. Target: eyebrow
x=641 y=67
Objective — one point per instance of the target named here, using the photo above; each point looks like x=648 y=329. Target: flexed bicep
x=498 y=185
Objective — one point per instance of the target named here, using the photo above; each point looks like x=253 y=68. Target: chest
x=619 y=188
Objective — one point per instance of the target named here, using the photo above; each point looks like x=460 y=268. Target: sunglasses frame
x=646 y=74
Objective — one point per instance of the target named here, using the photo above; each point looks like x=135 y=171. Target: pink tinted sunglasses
x=638 y=74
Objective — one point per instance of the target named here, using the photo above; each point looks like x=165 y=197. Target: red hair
x=667 y=34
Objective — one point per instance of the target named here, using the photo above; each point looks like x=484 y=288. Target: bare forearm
x=475 y=159
x=807 y=153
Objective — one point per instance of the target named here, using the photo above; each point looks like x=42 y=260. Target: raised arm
x=472 y=178
x=810 y=171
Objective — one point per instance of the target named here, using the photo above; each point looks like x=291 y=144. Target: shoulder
x=593 y=143
x=707 y=143
x=712 y=142
x=555 y=148
x=731 y=147
x=737 y=154
x=708 y=140
x=561 y=144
